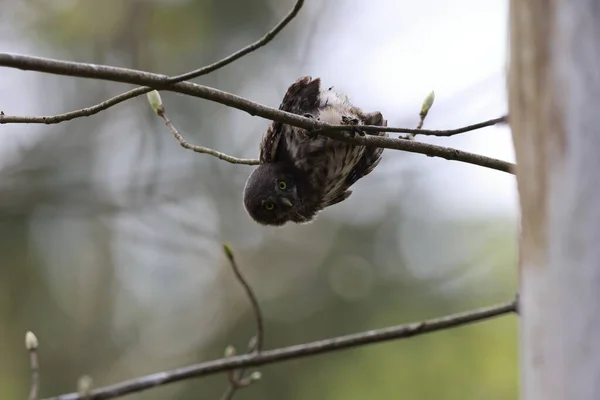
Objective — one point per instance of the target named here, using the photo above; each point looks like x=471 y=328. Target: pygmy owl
x=300 y=172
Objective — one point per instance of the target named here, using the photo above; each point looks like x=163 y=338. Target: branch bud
x=255 y=376
x=229 y=351
x=155 y=102
x=228 y=251
x=31 y=341
x=84 y=385
x=427 y=103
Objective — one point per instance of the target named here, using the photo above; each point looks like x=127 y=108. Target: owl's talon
x=353 y=124
x=357 y=130
x=349 y=120
x=311 y=133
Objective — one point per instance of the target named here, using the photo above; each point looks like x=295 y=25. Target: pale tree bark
x=554 y=104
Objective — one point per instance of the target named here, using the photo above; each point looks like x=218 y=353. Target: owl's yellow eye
x=282 y=185
x=269 y=206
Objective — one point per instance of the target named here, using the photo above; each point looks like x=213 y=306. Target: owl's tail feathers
x=302 y=97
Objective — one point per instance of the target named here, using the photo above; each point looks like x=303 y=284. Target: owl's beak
x=286 y=202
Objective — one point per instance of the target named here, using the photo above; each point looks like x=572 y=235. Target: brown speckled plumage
x=299 y=173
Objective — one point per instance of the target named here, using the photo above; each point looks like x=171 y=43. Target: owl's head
x=271 y=196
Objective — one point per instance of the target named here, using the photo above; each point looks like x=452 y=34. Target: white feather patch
x=333 y=106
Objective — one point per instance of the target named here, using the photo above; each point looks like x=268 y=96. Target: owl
x=300 y=172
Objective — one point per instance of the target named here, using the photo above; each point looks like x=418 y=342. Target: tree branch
x=89 y=111
x=158 y=81
x=161 y=82
x=294 y=352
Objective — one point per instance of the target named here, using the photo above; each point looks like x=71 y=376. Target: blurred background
x=110 y=232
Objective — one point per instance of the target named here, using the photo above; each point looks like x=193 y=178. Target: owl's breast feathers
x=330 y=167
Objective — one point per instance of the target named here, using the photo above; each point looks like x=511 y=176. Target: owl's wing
x=370 y=158
x=341 y=196
x=302 y=97
x=372 y=155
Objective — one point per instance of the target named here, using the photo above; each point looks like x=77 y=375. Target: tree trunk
x=554 y=104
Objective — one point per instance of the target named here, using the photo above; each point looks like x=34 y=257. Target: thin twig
x=258 y=343
x=86 y=112
x=201 y=149
x=242 y=52
x=236 y=377
x=35 y=374
x=31 y=344
x=294 y=352
x=229 y=392
x=469 y=128
x=240 y=103
x=237 y=381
